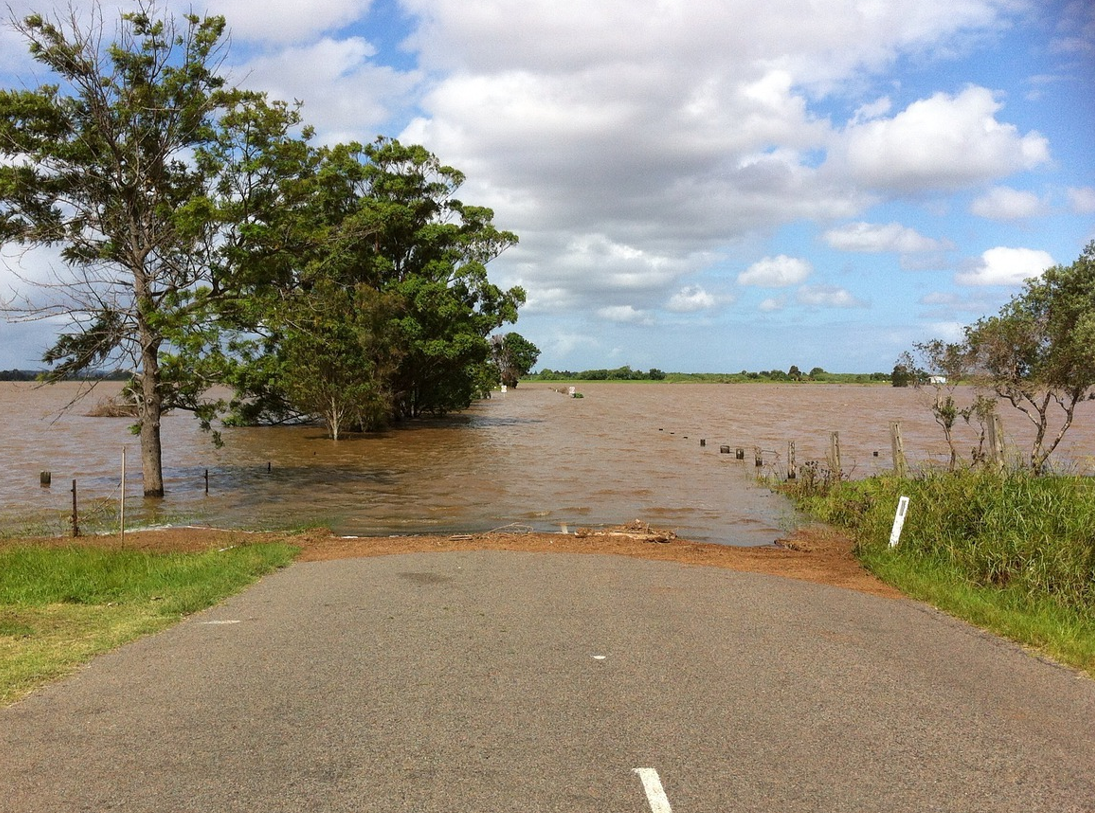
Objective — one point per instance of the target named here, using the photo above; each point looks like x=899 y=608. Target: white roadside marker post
x=899 y=521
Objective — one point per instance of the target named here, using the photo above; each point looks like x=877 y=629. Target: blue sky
x=709 y=185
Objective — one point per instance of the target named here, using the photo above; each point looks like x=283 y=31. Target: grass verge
x=1011 y=553
x=59 y=607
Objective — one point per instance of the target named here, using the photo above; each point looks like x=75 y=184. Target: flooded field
x=530 y=457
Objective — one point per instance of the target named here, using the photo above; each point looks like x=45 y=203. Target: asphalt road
x=496 y=681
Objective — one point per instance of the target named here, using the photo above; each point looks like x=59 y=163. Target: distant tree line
x=43 y=375
x=626 y=373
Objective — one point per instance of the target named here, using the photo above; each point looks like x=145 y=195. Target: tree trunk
x=150 y=414
x=334 y=418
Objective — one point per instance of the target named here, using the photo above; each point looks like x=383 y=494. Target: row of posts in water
x=792 y=469
x=994 y=453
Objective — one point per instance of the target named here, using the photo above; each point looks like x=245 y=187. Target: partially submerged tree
x=941 y=366
x=431 y=253
x=103 y=164
x=207 y=243
x=340 y=352
x=902 y=376
x=383 y=217
x=513 y=356
x=1038 y=353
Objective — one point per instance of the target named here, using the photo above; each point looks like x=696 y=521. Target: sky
x=705 y=185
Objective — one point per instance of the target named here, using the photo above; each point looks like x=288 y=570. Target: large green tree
x=431 y=254
x=513 y=356
x=382 y=216
x=1038 y=353
x=114 y=163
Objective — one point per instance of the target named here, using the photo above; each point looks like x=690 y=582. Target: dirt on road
x=813 y=554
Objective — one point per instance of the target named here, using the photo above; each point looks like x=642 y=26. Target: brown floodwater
x=530 y=457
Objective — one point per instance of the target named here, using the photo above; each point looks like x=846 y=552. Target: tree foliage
x=902 y=375
x=339 y=352
x=382 y=217
x=1038 y=353
x=513 y=357
x=941 y=366
x=101 y=164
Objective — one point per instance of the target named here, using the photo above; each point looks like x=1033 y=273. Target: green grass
x=61 y=606
x=1012 y=553
x=1065 y=634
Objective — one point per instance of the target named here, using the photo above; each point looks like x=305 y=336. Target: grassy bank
x=61 y=606
x=1012 y=553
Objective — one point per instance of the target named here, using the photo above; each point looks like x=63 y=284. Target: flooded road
x=530 y=457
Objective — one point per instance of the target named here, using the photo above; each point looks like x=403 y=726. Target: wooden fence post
x=900 y=464
x=75 y=516
x=834 y=455
x=996 y=442
x=791 y=473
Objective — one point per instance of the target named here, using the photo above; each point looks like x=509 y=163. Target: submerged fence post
x=75 y=516
x=900 y=464
x=996 y=444
x=834 y=454
x=791 y=460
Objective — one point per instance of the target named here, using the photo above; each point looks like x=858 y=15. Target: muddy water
x=531 y=457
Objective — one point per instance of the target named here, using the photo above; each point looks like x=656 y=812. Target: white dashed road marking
x=655 y=794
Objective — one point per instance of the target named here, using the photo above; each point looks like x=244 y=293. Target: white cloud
x=346 y=96
x=282 y=20
x=1005 y=203
x=639 y=145
x=876 y=238
x=772 y=304
x=625 y=314
x=827 y=296
x=947 y=331
x=872 y=110
x=1076 y=30
x=1005 y=266
x=941 y=143
x=691 y=299
x=946 y=304
x=669 y=128
x=1082 y=200
x=776 y=272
